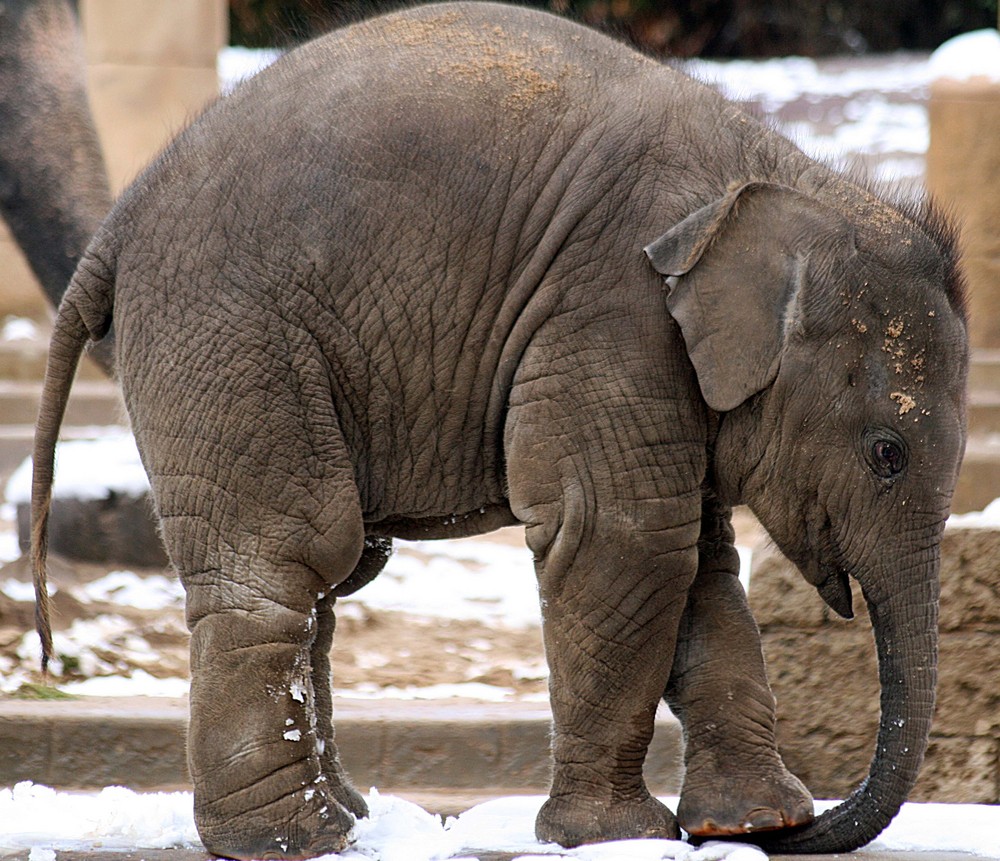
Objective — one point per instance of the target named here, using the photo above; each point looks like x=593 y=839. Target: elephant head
x=827 y=331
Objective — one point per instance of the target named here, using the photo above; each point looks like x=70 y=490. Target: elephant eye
x=888 y=458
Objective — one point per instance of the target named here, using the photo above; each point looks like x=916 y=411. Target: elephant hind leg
x=262 y=526
x=372 y=561
x=254 y=742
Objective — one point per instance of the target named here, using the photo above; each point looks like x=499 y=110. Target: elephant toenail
x=763 y=819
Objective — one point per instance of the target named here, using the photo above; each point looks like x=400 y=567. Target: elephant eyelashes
x=888 y=458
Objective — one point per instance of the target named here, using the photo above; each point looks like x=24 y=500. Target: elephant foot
x=342 y=790
x=571 y=820
x=306 y=824
x=730 y=805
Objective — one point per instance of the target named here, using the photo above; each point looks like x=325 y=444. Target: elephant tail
x=84 y=315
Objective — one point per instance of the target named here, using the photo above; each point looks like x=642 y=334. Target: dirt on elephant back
x=110 y=624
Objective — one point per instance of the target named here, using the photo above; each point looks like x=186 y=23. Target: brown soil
x=373 y=649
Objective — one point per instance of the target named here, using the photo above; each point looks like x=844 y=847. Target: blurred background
x=682 y=28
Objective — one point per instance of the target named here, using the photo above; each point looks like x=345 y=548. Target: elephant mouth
x=829 y=574
x=835 y=590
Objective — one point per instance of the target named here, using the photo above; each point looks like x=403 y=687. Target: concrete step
x=984 y=411
x=984 y=371
x=455 y=751
x=91 y=402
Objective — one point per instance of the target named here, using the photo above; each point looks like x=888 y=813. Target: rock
x=117 y=530
x=101 y=511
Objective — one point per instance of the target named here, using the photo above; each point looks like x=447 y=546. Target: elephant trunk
x=905 y=629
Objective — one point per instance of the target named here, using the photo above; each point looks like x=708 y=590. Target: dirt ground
x=373 y=648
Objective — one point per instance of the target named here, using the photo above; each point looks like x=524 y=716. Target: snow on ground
x=398 y=830
x=472 y=579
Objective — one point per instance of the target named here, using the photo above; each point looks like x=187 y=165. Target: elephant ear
x=736 y=278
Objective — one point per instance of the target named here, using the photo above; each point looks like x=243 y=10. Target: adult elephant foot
x=572 y=821
x=764 y=797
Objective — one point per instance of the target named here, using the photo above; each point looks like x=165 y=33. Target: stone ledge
x=447 y=746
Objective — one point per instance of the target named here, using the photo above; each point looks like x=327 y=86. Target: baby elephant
x=470 y=265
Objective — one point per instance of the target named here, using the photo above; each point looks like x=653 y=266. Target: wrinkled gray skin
x=53 y=184
x=396 y=286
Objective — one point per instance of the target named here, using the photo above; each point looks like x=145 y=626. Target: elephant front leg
x=605 y=458
x=609 y=625
x=735 y=781
x=267 y=783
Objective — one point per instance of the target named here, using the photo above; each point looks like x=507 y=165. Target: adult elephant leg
x=615 y=551
x=734 y=779
x=53 y=185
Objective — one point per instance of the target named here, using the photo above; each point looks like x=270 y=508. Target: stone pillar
x=963 y=172
x=151 y=68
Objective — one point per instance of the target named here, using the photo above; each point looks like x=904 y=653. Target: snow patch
x=39 y=818
x=154 y=592
x=18 y=329
x=432 y=579
x=988 y=518
x=138 y=684
x=235 y=65
x=88 y=470
x=466 y=690
x=24 y=593
x=971 y=55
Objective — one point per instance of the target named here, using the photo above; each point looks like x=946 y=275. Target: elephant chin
x=835 y=590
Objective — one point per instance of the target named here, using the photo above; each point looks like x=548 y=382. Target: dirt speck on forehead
x=906 y=403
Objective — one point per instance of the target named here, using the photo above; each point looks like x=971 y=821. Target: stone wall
x=151 y=66
x=823 y=673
